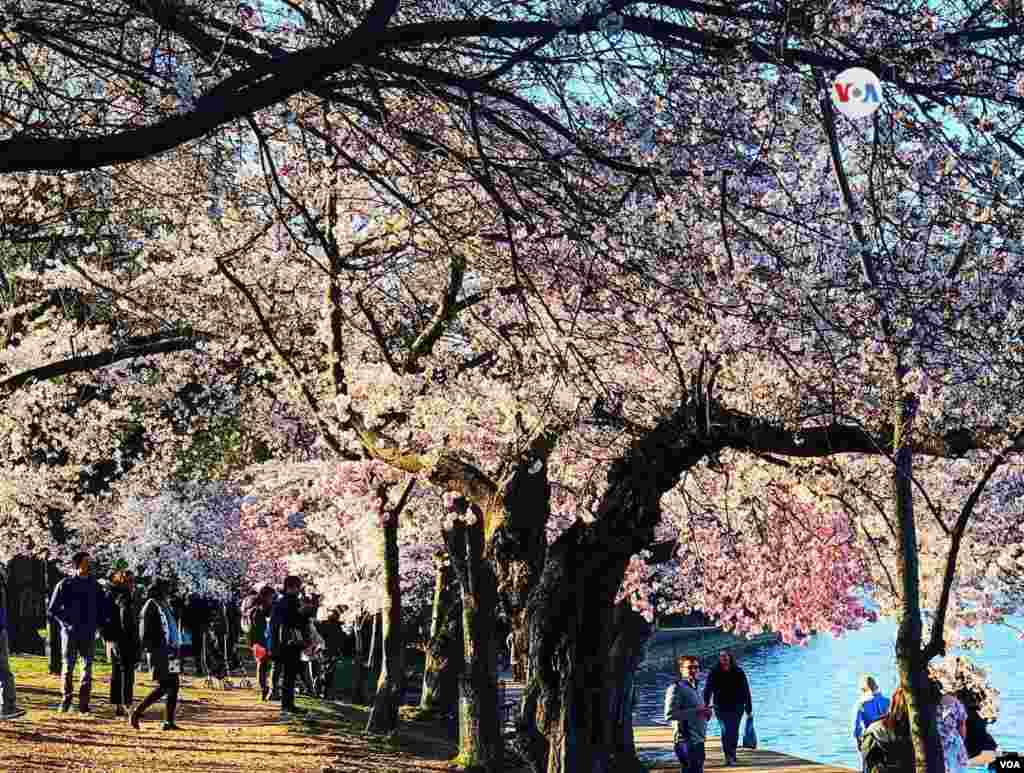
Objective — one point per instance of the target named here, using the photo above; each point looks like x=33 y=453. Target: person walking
x=122 y=635
x=333 y=635
x=8 y=696
x=258 y=620
x=978 y=739
x=196 y=616
x=871 y=707
x=78 y=605
x=728 y=691
x=689 y=716
x=161 y=639
x=288 y=639
x=886 y=745
x=952 y=721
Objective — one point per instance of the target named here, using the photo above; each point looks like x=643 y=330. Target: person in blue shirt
x=79 y=605
x=871 y=707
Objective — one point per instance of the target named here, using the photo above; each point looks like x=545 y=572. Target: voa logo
x=1011 y=761
x=857 y=92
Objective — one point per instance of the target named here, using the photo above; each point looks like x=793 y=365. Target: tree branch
x=95 y=361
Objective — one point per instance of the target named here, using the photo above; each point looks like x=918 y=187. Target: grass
x=224 y=731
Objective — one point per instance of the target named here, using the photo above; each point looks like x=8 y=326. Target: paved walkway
x=650 y=739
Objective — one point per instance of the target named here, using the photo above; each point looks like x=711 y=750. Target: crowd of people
x=280 y=627
x=882 y=730
x=881 y=726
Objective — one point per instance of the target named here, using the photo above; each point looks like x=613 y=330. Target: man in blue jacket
x=78 y=604
x=8 y=709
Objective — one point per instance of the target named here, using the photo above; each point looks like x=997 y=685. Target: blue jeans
x=74 y=649
x=690 y=756
x=729 y=720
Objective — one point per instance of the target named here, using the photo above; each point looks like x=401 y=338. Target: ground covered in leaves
x=224 y=731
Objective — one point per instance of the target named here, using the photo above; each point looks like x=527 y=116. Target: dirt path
x=228 y=731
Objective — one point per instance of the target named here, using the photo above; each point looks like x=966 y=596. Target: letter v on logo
x=843 y=91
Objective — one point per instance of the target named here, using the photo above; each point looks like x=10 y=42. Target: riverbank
x=703 y=642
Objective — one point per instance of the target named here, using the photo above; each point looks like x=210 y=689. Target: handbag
x=749 y=736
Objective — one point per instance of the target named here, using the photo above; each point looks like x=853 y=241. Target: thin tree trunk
x=910 y=659
x=359 y=695
x=480 y=743
x=373 y=655
x=444 y=649
x=384 y=712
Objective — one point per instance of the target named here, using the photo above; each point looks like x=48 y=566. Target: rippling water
x=804 y=696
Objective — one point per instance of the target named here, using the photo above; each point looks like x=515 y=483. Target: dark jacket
x=287 y=625
x=978 y=739
x=122 y=629
x=198 y=612
x=886 y=751
x=729 y=689
x=78 y=605
x=3 y=601
x=154 y=641
x=333 y=635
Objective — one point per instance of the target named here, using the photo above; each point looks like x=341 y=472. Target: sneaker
x=119 y=711
x=275 y=695
x=65 y=707
x=12 y=714
x=133 y=719
x=170 y=726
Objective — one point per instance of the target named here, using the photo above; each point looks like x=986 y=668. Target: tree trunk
x=373 y=655
x=26 y=604
x=631 y=634
x=384 y=712
x=359 y=695
x=913 y=668
x=443 y=662
x=480 y=743
x=563 y=726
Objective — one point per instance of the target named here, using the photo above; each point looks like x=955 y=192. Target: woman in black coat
x=122 y=637
x=162 y=640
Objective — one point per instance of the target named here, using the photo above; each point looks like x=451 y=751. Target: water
x=804 y=696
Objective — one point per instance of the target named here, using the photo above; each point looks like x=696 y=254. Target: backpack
x=248 y=606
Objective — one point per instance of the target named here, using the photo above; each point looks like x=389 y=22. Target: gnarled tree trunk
x=631 y=634
x=480 y=743
x=384 y=712
x=444 y=649
x=563 y=727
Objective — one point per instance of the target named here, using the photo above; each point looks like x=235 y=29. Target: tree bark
x=26 y=604
x=373 y=655
x=910 y=658
x=480 y=743
x=631 y=634
x=563 y=727
x=443 y=662
x=384 y=712
x=359 y=695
